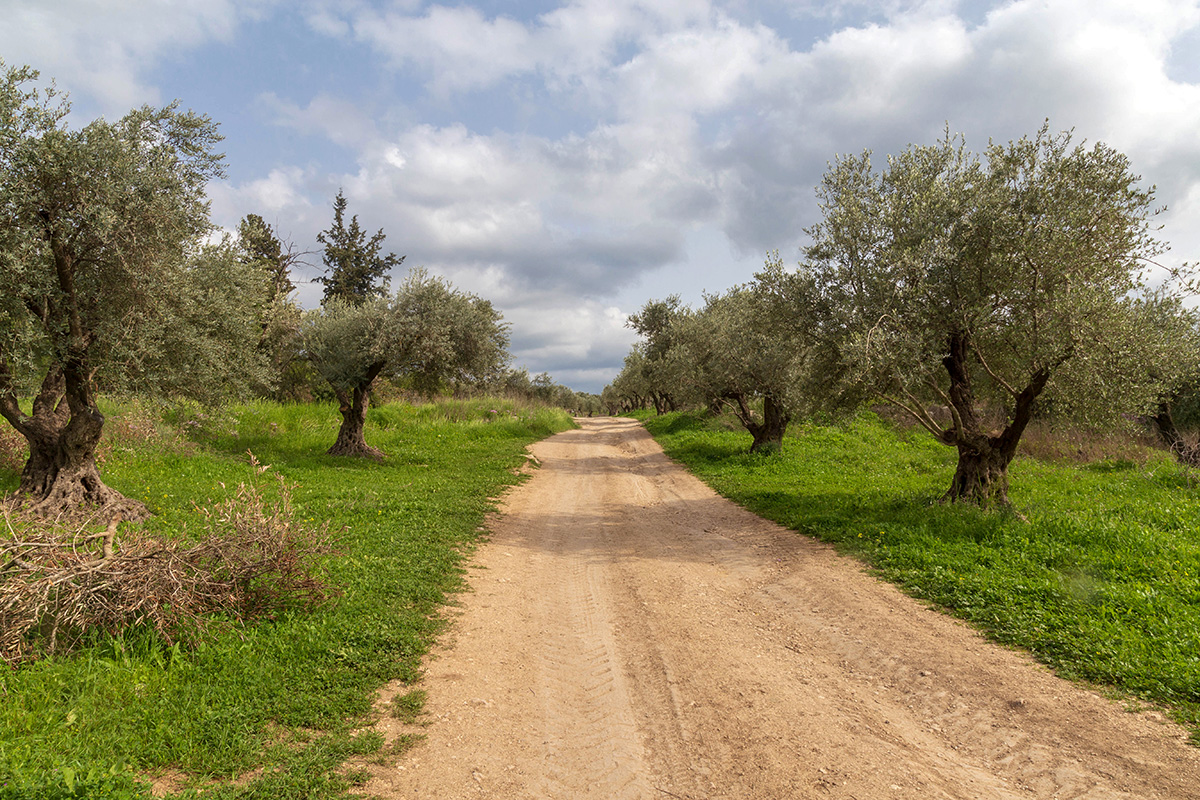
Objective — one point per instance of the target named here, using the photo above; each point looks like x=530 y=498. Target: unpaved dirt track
x=632 y=635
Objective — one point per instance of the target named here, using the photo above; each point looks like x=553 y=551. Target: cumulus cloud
x=671 y=137
x=457 y=47
x=280 y=192
x=106 y=50
x=334 y=118
x=700 y=120
x=1097 y=68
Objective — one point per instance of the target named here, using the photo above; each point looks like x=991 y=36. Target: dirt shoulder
x=632 y=635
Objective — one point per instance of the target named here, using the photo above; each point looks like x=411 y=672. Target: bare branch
x=917 y=413
x=988 y=370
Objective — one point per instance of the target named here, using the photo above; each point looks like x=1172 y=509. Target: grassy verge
x=1102 y=581
x=279 y=705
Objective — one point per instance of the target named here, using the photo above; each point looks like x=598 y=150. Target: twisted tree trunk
x=353 y=404
x=60 y=477
x=1164 y=423
x=768 y=436
x=768 y=433
x=981 y=475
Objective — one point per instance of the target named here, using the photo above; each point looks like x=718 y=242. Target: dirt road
x=632 y=635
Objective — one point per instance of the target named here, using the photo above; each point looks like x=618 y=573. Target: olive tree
x=630 y=389
x=102 y=277
x=656 y=324
x=759 y=350
x=981 y=285
x=428 y=332
x=448 y=337
x=202 y=338
x=1175 y=417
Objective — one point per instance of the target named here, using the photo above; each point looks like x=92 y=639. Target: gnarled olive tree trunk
x=1164 y=424
x=981 y=475
x=663 y=402
x=60 y=477
x=767 y=432
x=353 y=404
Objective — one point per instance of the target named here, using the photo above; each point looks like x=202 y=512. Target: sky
x=570 y=161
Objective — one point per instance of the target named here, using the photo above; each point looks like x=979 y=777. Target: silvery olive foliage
x=657 y=324
x=759 y=350
x=973 y=291
x=428 y=332
x=988 y=285
x=105 y=280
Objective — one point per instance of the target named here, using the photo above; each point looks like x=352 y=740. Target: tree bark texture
x=981 y=475
x=768 y=433
x=663 y=402
x=1164 y=425
x=353 y=406
x=60 y=477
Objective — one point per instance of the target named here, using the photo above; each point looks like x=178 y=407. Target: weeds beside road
x=277 y=704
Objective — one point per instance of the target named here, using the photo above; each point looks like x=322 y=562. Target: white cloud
x=458 y=47
x=684 y=127
x=558 y=333
x=571 y=47
x=282 y=193
x=106 y=48
x=1095 y=67
x=694 y=71
x=335 y=118
x=702 y=121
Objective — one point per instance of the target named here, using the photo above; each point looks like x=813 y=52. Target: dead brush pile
x=60 y=583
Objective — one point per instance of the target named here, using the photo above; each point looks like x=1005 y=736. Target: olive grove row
x=971 y=291
x=110 y=281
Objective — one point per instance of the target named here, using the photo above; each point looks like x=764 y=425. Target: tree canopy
x=759 y=350
x=259 y=245
x=972 y=291
x=984 y=285
x=104 y=280
x=429 y=332
x=656 y=322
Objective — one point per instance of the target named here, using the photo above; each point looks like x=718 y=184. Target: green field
x=280 y=704
x=1097 y=573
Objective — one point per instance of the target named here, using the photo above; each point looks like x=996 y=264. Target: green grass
x=407 y=707
x=280 y=703
x=1102 y=581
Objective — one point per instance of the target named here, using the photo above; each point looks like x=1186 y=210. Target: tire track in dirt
x=591 y=735
x=631 y=635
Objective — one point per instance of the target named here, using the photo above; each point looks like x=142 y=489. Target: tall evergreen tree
x=356 y=270
x=260 y=249
x=260 y=245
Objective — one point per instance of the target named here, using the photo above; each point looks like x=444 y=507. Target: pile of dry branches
x=1186 y=448
x=58 y=584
